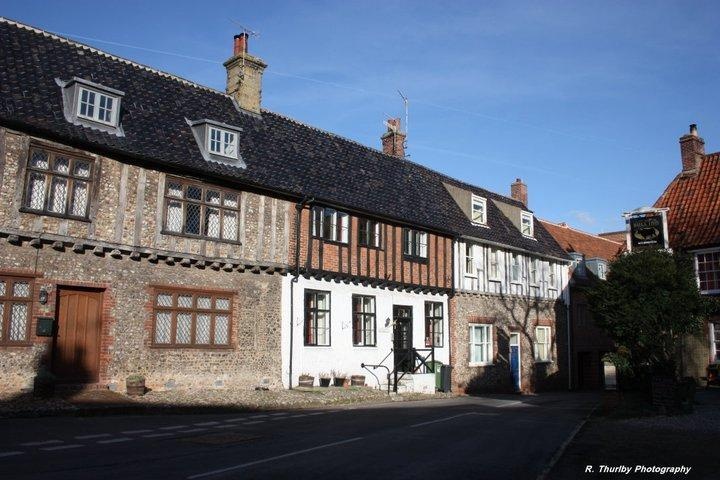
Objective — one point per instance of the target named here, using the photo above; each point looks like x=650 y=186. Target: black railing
x=410 y=360
x=367 y=367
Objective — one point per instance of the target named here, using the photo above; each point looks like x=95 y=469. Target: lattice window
x=185 y=318
x=57 y=184
x=363 y=320
x=15 y=307
x=434 y=324
x=201 y=211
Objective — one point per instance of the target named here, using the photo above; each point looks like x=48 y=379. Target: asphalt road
x=504 y=437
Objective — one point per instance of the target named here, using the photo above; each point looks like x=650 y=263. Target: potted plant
x=357 y=380
x=44 y=383
x=325 y=379
x=339 y=378
x=135 y=384
x=306 y=380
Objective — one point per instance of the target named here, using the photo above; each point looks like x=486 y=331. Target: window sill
x=54 y=215
x=359 y=345
x=483 y=225
x=540 y=362
x=199 y=237
x=331 y=242
x=481 y=364
x=192 y=347
x=369 y=247
x=317 y=346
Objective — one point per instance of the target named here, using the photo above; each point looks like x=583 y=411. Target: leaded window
x=363 y=320
x=57 y=184
x=434 y=324
x=187 y=318
x=15 y=309
x=201 y=211
x=317 y=318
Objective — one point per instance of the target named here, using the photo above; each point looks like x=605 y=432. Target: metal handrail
x=379 y=365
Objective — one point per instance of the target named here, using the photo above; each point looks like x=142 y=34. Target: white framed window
x=526 y=224
x=552 y=276
x=542 y=344
x=494 y=272
x=222 y=142
x=715 y=332
x=414 y=243
x=534 y=266
x=481 y=345
x=330 y=224
x=469 y=259
x=479 y=210
x=96 y=106
x=602 y=270
x=516 y=268
x=708 y=269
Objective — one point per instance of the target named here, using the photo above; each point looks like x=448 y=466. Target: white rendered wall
x=341 y=355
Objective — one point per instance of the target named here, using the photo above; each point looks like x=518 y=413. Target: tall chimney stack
x=518 y=191
x=692 y=150
x=393 y=141
x=244 y=75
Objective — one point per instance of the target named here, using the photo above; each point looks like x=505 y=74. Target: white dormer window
x=479 y=210
x=222 y=142
x=526 y=224
x=96 y=106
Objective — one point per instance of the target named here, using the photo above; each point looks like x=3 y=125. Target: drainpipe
x=298 y=210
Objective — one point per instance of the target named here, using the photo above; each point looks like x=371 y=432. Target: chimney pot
x=692 y=150
x=518 y=191
x=240 y=44
x=244 y=75
x=693 y=130
x=393 y=141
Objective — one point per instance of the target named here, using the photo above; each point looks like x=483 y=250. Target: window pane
x=61 y=165
x=21 y=290
x=202 y=329
x=81 y=169
x=192 y=218
x=212 y=222
x=422 y=239
x=184 y=301
x=342 y=220
x=58 y=195
x=2 y=288
x=164 y=300
x=230 y=225
x=173 y=222
x=322 y=301
x=39 y=159
x=162 y=327
x=193 y=193
x=221 y=330
x=2 y=320
x=222 y=304
x=322 y=327
x=204 y=302
x=212 y=197
x=184 y=321
x=78 y=202
x=231 y=200
x=175 y=190
x=36 y=191
x=18 y=321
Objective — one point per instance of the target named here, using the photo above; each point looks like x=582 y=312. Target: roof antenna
x=406 y=102
x=249 y=33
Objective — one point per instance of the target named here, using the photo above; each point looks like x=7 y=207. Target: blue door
x=515 y=360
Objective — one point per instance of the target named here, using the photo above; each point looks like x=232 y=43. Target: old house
x=591 y=256
x=692 y=201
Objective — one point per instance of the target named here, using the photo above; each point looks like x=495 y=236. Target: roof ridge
x=96 y=50
x=376 y=150
x=582 y=231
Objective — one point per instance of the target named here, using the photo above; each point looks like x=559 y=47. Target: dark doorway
x=589 y=371
x=76 y=349
x=402 y=337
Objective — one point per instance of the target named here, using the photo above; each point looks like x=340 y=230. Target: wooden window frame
x=712 y=275
x=318 y=225
x=204 y=205
x=548 y=342
x=308 y=320
x=114 y=110
x=223 y=133
x=358 y=322
x=531 y=224
x=469 y=260
x=488 y=345
x=430 y=323
x=411 y=245
x=478 y=200
x=7 y=300
x=368 y=232
x=49 y=174
x=194 y=311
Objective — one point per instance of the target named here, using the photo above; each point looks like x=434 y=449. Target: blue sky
x=584 y=101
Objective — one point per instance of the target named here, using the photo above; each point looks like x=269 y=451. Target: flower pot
x=306 y=381
x=339 y=382
x=324 y=382
x=357 y=380
x=135 y=387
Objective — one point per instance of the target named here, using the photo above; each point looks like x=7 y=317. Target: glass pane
x=21 y=290
x=192 y=218
x=202 y=329
x=322 y=301
x=58 y=195
x=231 y=200
x=230 y=225
x=184 y=301
x=222 y=304
x=36 y=191
x=39 y=159
x=2 y=288
x=61 y=165
x=213 y=197
x=212 y=222
x=175 y=190
x=193 y=193
x=221 y=330
x=322 y=328
x=164 y=300
x=204 y=302
x=81 y=169
x=162 y=327
x=2 y=319
x=18 y=321
x=182 y=335
x=78 y=202
x=173 y=223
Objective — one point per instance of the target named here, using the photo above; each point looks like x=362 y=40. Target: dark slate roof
x=281 y=154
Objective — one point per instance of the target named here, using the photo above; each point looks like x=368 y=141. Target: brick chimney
x=393 y=141
x=244 y=75
x=692 y=149
x=518 y=191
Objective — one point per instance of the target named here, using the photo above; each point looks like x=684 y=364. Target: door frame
x=409 y=320
x=519 y=347
x=101 y=330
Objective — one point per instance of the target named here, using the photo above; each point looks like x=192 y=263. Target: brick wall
x=507 y=314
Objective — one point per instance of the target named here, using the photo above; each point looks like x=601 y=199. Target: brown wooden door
x=76 y=354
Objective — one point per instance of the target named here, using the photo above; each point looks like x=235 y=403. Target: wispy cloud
x=586 y=218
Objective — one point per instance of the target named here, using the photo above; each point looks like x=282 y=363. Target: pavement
x=499 y=436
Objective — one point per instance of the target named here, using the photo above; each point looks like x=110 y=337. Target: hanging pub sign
x=647 y=229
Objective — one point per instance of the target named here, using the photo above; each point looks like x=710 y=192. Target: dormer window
x=222 y=142
x=479 y=210
x=526 y=224
x=97 y=106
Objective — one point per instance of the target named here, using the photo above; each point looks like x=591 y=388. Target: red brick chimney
x=692 y=150
x=244 y=75
x=393 y=141
x=518 y=191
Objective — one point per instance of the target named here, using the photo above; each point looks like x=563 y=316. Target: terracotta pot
x=306 y=381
